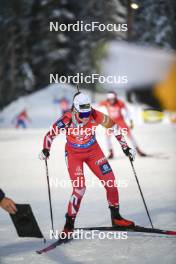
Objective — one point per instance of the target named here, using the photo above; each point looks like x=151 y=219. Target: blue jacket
x=2 y=195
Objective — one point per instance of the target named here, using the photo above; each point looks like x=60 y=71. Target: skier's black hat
x=25 y=222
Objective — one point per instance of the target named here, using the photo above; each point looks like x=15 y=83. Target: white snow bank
x=40 y=106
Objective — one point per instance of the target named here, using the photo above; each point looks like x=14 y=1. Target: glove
x=131 y=153
x=44 y=154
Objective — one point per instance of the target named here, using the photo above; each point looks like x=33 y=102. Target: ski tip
x=173 y=233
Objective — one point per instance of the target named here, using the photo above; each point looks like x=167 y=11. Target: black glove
x=131 y=153
x=46 y=152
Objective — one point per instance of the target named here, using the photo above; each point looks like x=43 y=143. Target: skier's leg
x=23 y=124
x=109 y=146
x=132 y=139
x=98 y=163
x=123 y=125
x=75 y=169
x=135 y=145
x=101 y=168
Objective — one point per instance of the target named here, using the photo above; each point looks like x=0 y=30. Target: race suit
x=81 y=147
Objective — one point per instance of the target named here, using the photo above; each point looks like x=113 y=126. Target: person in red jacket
x=118 y=112
x=81 y=147
x=21 y=119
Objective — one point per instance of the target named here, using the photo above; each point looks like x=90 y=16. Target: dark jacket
x=2 y=195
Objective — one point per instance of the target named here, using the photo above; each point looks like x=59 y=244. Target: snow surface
x=23 y=179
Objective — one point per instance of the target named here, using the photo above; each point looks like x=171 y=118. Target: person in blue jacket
x=7 y=204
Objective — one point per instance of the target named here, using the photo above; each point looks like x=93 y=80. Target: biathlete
x=21 y=119
x=82 y=147
x=118 y=112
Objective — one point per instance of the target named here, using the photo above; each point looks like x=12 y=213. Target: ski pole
x=147 y=211
x=49 y=195
x=77 y=86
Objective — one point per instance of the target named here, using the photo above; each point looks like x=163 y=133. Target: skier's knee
x=79 y=190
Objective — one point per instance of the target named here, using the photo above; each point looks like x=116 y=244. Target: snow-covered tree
x=155 y=23
x=30 y=52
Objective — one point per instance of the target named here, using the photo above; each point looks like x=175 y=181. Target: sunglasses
x=84 y=106
x=84 y=114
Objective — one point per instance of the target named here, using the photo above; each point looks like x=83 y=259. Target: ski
x=52 y=246
x=139 y=229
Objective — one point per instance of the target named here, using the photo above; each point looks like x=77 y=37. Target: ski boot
x=118 y=220
x=111 y=154
x=68 y=227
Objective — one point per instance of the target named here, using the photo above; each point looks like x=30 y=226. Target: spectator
x=7 y=204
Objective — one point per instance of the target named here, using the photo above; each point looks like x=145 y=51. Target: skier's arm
x=52 y=134
x=117 y=133
x=107 y=122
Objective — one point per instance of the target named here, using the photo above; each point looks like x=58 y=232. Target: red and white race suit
x=81 y=147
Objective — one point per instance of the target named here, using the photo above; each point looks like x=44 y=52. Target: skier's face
x=112 y=99
x=83 y=117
